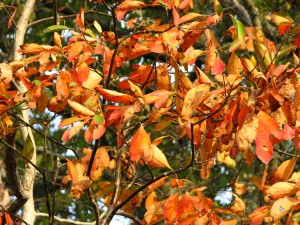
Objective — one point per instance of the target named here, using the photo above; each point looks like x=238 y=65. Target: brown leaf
x=192 y=100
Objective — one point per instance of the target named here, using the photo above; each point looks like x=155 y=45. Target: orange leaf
x=128 y=5
x=185 y=209
x=258 y=215
x=218 y=67
x=80 y=19
x=83 y=72
x=98 y=131
x=139 y=142
x=69 y=133
x=154 y=215
x=151 y=200
x=175 y=16
x=8 y=219
x=284 y=171
x=158 y=96
x=268 y=133
x=56 y=104
x=156 y=184
x=135 y=89
x=228 y=222
x=72 y=171
x=184 y=4
x=80 y=108
x=190 y=16
x=62 y=84
x=68 y=121
x=75 y=50
x=170 y=208
x=115 y=96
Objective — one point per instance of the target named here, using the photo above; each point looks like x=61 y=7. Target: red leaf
x=268 y=133
x=8 y=219
x=140 y=142
x=283 y=28
x=297 y=42
x=218 y=67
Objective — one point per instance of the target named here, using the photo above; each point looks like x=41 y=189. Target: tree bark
x=28 y=179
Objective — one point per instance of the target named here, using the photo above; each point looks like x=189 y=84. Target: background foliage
x=202 y=94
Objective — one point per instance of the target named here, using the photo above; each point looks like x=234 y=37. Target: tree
x=151 y=110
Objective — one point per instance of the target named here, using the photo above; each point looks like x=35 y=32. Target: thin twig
x=285 y=153
x=67 y=221
x=41 y=133
x=130 y=216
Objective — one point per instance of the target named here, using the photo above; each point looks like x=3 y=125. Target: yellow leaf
x=155 y=157
x=80 y=108
x=281 y=189
x=282 y=206
x=93 y=80
x=279 y=18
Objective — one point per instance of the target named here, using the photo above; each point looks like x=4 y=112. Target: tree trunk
x=28 y=179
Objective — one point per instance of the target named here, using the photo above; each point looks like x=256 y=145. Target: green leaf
x=28 y=148
x=54 y=28
x=240 y=29
x=98 y=118
x=37 y=82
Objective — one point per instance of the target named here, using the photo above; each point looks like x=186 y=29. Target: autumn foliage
x=239 y=110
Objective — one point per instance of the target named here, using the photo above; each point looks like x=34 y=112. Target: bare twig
x=94 y=205
x=67 y=221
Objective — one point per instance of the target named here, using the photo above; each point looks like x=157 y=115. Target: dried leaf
x=192 y=100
